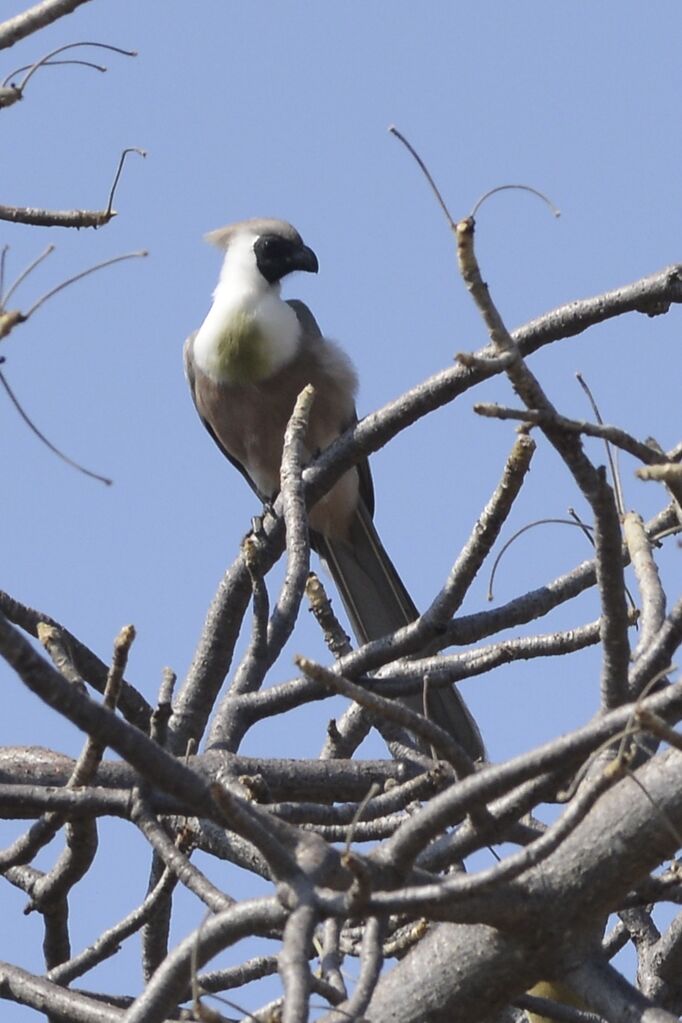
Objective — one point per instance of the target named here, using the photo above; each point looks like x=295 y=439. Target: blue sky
x=282 y=109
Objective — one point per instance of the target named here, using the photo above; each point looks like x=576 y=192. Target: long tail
x=377 y=604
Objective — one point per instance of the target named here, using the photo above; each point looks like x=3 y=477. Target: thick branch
x=35 y=18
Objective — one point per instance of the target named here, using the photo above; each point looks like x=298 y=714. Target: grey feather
x=377 y=603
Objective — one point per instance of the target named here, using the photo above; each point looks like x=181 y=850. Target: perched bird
x=246 y=365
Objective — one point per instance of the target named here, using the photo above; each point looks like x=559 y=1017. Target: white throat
x=243 y=296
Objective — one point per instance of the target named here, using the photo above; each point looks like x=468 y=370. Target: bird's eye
x=274 y=256
x=272 y=246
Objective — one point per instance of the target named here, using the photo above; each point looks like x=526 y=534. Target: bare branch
x=591 y=481
x=296 y=525
x=101 y=723
x=48 y=443
x=171 y=980
x=484 y=534
x=79 y=276
x=481 y=881
x=36 y=992
x=425 y=171
x=35 y=18
x=4 y=298
x=109 y=212
x=175 y=860
x=293 y=962
x=47 y=60
x=37 y=217
x=653 y=595
x=393 y=711
x=520 y=188
x=131 y=703
x=645 y=452
x=214 y=651
x=47 y=63
x=371 y=961
x=109 y=943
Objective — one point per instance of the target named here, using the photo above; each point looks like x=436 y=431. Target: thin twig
x=590 y=479
x=519 y=532
x=54 y=63
x=3 y=259
x=321 y=608
x=373 y=791
x=41 y=436
x=485 y=532
x=392 y=711
x=68 y=218
x=61 y=49
x=521 y=188
x=4 y=299
x=434 y=188
x=130 y=149
x=615 y=475
x=84 y=273
x=643 y=451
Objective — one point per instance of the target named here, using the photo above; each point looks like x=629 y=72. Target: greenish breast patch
x=242 y=351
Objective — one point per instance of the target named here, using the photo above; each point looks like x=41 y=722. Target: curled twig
x=48 y=443
x=8 y=320
x=109 y=212
x=18 y=90
x=427 y=174
x=68 y=218
x=521 y=188
x=519 y=532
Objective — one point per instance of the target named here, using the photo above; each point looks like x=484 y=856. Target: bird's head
x=265 y=247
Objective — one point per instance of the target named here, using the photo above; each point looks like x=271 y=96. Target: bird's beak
x=305 y=259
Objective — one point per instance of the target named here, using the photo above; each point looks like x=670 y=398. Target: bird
x=246 y=365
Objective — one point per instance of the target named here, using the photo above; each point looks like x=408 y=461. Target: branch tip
x=523 y=188
x=140 y=254
x=427 y=174
x=109 y=212
x=48 y=444
x=47 y=60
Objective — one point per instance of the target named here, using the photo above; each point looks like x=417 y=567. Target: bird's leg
x=257 y=528
x=257 y=521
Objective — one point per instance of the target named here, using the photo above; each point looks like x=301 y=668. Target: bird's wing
x=313 y=334
x=188 y=357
